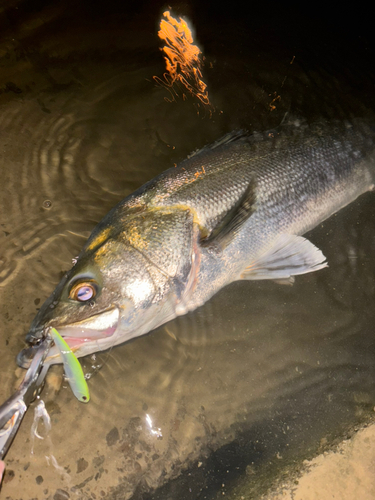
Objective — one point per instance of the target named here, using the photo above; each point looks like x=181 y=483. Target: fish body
x=234 y=210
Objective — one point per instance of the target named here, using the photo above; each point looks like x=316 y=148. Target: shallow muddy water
x=261 y=377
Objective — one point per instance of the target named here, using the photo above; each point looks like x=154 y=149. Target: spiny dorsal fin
x=237 y=136
x=226 y=139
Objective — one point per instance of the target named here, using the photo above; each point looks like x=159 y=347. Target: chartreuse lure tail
x=72 y=368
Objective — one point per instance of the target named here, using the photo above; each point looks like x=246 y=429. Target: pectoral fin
x=289 y=256
x=227 y=229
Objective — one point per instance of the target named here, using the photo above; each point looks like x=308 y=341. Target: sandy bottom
x=345 y=473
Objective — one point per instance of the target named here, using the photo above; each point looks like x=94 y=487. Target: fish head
x=112 y=294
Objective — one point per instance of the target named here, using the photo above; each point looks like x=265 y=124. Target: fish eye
x=83 y=291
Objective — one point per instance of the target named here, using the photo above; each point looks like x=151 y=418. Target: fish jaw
x=87 y=336
x=84 y=341
x=83 y=346
x=84 y=337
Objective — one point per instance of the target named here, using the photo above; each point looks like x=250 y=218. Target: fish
x=234 y=210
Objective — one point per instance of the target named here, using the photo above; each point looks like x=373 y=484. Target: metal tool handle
x=11 y=427
x=14 y=409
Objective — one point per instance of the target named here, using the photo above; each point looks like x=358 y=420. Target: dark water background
x=261 y=377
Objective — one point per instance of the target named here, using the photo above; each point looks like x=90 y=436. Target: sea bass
x=234 y=210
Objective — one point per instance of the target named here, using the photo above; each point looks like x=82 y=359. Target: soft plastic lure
x=72 y=368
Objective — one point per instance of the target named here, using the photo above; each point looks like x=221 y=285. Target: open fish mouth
x=83 y=337
x=99 y=326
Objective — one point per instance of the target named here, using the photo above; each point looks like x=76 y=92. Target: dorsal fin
x=236 y=135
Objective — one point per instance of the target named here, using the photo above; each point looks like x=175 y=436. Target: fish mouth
x=83 y=337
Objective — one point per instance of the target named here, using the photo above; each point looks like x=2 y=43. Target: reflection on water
x=263 y=375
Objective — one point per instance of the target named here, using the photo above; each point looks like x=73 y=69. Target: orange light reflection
x=182 y=58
